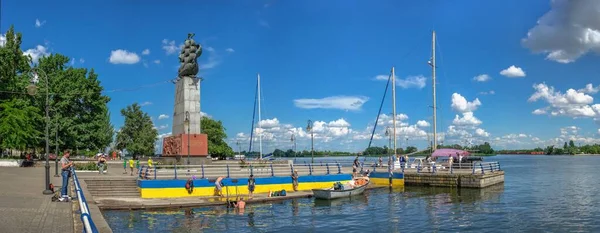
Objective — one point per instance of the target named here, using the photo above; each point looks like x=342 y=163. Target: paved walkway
x=23 y=207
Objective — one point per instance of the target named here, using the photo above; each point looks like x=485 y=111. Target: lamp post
x=56 y=152
x=187 y=122
x=239 y=147
x=293 y=139
x=309 y=128
x=32 y=90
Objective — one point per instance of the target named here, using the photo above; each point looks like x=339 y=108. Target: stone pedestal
x=187 y=99
x=178 y=145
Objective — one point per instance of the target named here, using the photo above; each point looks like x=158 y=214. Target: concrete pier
x=464 y=180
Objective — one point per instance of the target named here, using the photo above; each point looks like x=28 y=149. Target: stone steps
x=112 y=187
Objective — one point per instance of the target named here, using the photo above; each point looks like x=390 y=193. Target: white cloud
x=39 y=23
x=146 y=52
x=121 y=56
x=491 y=92
x=164 y=135
x=214 y=59
x=37 y=53
x=418 y=81
x=170 y=47
x=229 y=50
x=572 y=104
x=482 y=78
x=589 y=89
x=568 y=31
x=72 y=61
x=423 y=123
x=333 y=102
x=203 y=114
x=539 y=112
x=146 y=103
x=460 y=104
x=480 y=132
x=268 y=123
x=163 y=116
x=161 y=127
x=81 y=60
x=156 y=61
x=513 y=72
x=412 y=81
x=2 y=40
x=468 y=119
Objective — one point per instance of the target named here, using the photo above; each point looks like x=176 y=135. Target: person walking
x=124 y=166
x=137 y=165
x=101 y=164
x=150 y=164
x=131 y=163
x=66 y=165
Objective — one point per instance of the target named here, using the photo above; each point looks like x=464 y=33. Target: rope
x=377 y=119
x=253 y=115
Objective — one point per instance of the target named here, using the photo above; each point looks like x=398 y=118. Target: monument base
x=178 y=145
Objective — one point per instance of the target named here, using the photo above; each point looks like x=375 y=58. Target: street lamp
x=293 y=139
x=56 y=152
x=187 y=122
x=309 y=128
x=32 y=90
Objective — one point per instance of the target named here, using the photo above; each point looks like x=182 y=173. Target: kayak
x=352 y=188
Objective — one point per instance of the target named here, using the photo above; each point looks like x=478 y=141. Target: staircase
x=112 y=187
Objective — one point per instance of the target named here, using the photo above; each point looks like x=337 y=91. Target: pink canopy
x=450 y=153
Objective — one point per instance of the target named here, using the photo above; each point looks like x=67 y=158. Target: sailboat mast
x=434 y=101
x=259 y=119
x=394 y=106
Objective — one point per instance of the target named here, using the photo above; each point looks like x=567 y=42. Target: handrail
x=86 y=219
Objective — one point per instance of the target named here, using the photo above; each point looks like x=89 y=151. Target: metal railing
x=86 y=218
x=162 y=172
x=456 y=168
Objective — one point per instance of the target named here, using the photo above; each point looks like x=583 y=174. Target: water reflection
x=537 y=197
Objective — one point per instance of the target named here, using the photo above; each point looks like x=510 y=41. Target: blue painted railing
x=234 y=170
x=86 y=218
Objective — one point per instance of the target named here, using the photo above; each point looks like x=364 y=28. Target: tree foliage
x=217 y=147
x=138 y=133
x=78 y=110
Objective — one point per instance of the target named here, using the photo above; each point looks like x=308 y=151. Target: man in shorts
x=251 y=185
x=219 y=186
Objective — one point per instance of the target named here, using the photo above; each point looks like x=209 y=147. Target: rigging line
x=253 y=115
x=378 y=114
x=445 y=76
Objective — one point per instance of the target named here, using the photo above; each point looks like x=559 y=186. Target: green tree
x=16 y=124
x=565 y=146
x=217 y=147
x=571 y=144
x=411 y=149
x=278 y=153
x=138 y=133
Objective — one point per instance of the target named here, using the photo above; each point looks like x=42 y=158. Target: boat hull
x=328 y=194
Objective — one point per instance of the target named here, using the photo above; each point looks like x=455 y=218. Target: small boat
x=354 y=187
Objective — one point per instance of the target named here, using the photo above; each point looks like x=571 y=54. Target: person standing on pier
x=66 y=165
x=295 y=180
x=251 y=185
x=131 y=163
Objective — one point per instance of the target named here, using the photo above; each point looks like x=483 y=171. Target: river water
x=540 y=194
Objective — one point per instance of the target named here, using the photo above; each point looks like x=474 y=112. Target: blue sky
x=505 y=68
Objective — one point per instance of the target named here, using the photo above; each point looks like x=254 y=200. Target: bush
x=90 y=166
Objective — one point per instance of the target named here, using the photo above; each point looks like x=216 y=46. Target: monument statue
x=187 y=138
x=188 y=57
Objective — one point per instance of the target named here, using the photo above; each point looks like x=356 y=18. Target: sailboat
x=394 y=175
x=391 y=177
x=256 y=99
